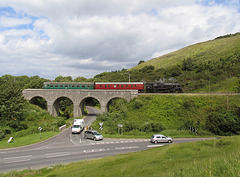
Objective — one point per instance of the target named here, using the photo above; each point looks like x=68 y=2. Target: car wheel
x=169 y=141
x=94 y=139
x=156 y=142
x=85 y=137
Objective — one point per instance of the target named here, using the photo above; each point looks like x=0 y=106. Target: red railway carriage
x=119 y=85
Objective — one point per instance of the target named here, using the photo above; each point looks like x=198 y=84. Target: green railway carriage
x=68 y=85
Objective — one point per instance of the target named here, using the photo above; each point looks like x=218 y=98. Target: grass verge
x=26 y=140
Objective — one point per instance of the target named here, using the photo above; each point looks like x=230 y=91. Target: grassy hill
x=202 y=52
x=203 y=67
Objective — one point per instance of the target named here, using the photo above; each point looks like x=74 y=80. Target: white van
x=78 y=125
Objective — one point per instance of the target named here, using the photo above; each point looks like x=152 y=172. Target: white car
x=159 y=138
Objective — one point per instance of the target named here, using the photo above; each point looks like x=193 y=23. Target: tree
x=238 y=84
x=35 y=82
x=188 y=64
x=63 y=79
x=80 y=79
x=11 y=102
x=140 y=62
x=147 y=69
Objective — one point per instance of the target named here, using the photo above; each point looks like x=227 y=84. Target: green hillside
x=210 y=66
x=173 y=115
x=221 y=47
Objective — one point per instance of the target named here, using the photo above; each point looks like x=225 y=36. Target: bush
x=61 y=122
x=7 y=131
x=2 y=135
x=129 y=126
x=152 y=127
x=13 y=124
x=223 y=122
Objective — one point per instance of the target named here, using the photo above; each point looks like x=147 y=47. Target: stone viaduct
x=78 y=97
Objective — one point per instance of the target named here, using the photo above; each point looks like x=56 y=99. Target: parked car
x=159 y=138
x=92 y=134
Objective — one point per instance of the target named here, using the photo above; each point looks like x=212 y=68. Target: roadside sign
x=40 y=128
x=11 y=139
x=101 y=124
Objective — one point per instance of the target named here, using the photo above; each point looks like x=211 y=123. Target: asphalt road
x=66 y=147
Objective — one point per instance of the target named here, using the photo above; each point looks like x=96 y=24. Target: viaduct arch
x=77 y=96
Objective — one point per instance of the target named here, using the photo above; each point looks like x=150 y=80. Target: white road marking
x=60 y=154
x=72 y=141
x=130 y=147
x=10 y=158
x=93 y=150
x=120 y=141
x=155 y=145
x=16 y=161
x=40 y=148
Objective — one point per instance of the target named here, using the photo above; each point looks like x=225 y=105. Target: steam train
x=142 y=87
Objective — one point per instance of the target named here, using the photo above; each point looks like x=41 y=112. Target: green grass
x=225 y=86
x=26 y=140
x=219 y=157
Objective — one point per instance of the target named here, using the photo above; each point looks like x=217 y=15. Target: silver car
x=158 y=138
x=91 y=134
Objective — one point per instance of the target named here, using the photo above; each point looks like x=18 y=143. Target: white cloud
x=85 y=38
x=11 y=22
x=2 y=39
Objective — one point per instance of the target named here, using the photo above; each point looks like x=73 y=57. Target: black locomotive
x=160 y=87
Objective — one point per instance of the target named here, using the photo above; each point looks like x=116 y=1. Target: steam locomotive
x=142 y=87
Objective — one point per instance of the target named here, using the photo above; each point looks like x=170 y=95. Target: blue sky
x=9 y=12
x=84 y=38
x=227 y=3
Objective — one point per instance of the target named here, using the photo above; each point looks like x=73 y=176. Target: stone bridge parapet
x=77 y=96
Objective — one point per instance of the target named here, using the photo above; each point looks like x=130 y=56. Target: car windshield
x=76 y=126
x=97 y=133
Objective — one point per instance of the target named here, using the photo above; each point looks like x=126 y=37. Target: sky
x=83 y=38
